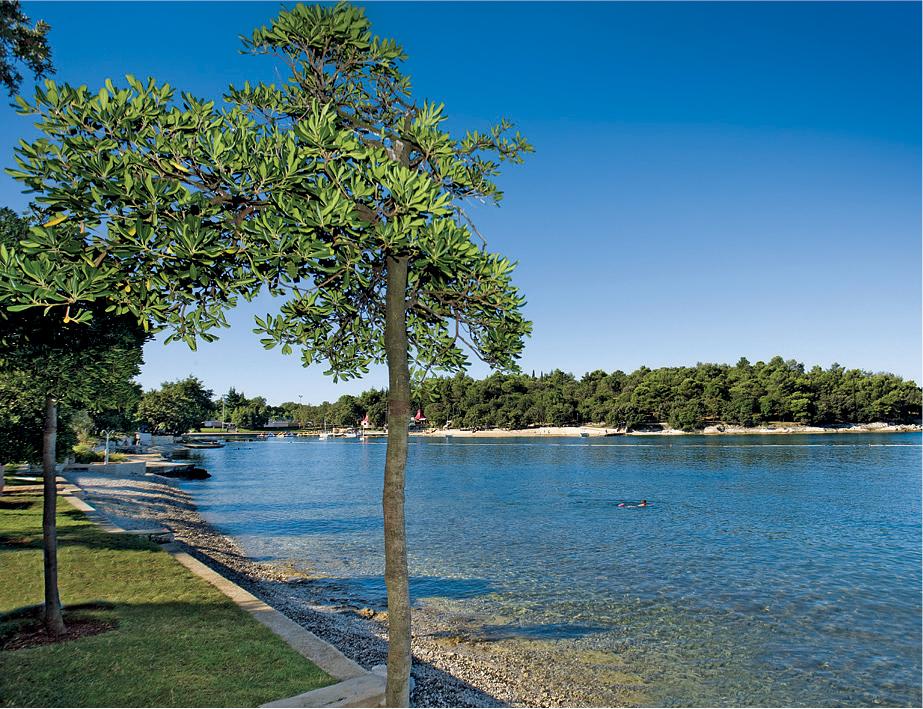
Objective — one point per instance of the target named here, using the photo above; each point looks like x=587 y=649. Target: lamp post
x=106 y=458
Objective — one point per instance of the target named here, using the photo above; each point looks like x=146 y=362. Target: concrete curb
x=357 y=688
x=365 y=691
x=322 y=654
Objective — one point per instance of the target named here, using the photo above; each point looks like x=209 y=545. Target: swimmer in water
x=643 y=503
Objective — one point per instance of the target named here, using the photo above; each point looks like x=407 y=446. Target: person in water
x=643 y=503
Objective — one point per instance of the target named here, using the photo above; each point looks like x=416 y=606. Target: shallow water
x=766 y=571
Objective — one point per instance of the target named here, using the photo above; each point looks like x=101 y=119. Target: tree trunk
x=54 y=621
x=397 y=693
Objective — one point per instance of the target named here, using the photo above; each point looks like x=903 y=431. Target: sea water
x=766 y=570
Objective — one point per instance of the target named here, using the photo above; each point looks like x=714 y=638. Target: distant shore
x=665 y=430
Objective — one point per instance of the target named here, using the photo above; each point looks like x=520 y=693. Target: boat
x=204 y=444
x=584 y=434
x=280 y=435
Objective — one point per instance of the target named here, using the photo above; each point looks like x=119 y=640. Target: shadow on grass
x=73 y=529
x=24 y=628
x=36 y=609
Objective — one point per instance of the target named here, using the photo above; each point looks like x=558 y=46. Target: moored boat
x=204 y=444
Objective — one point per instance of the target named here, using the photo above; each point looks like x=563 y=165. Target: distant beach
x=665 y=430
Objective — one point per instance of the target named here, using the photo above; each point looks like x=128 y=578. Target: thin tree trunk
x=397 y=693
x=54 y=621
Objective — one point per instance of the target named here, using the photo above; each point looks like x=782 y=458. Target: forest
x=686 y=398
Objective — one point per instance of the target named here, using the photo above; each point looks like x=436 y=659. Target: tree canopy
x=177 y=407
x=335 y=190
x=173 y=209
x=22 y=419
x=688 y=398
x=90 y=367
x=21 y=42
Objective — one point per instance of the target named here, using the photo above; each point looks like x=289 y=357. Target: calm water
x=766 y=571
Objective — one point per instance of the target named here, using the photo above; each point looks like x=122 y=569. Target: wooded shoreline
x=665 y=430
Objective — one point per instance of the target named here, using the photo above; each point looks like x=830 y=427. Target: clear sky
x=710 y=180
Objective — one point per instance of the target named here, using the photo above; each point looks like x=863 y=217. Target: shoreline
x=665 y=430
x=452 y=665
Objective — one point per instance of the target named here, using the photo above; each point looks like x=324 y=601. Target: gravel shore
x=450 y=668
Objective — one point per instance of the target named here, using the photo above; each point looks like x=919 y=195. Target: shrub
x=84 y=453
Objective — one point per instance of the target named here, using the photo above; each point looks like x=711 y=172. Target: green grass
x=9 y=482
x=178 y=640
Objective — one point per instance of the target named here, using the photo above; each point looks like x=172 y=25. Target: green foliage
x=87 y=366
x=86 y=453
x=345 y=412
x=177 y=407
x=22 y=420
x=20 y=41
x=687 y=398
x=171 y=209
x=247 y=413
x=81 y=424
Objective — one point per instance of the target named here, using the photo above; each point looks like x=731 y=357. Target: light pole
x=106 y=458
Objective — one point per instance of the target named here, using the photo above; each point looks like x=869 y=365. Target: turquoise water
x=766 y=571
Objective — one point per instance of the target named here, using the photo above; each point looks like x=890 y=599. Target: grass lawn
x=177 y=642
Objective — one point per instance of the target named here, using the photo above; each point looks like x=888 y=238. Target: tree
x=89 y=365
x=402 y=280
x=335 y=190
x=78 y=365
x=251 y=415
x=21 y=42
x=177 y=407
x=22 y=421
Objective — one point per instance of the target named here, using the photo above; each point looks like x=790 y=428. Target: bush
x=84 y=453
x=686 y=417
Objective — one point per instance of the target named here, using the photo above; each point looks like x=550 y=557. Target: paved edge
x=357 y=688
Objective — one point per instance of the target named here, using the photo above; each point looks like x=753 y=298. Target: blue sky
x=710 y=180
